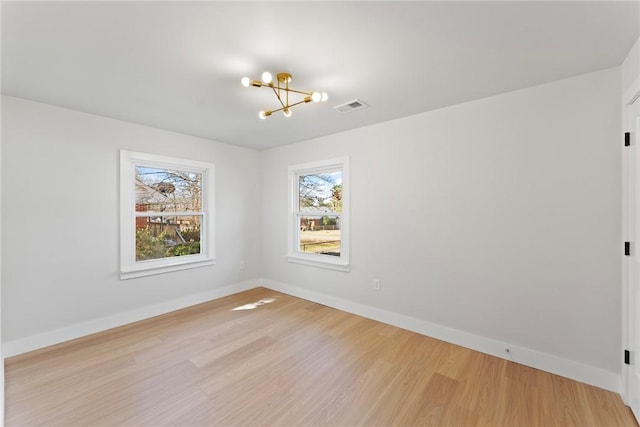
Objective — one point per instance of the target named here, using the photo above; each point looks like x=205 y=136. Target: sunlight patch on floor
x=254 y=305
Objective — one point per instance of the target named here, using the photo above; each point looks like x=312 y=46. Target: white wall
x=60 y=223
x=498 y=217
x=630 y=69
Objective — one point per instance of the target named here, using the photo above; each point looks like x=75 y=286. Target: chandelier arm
x=288 y=106
x=279 y=99
x=288 y=90
x=299 y=91
x=279 y=109
x=297 y=103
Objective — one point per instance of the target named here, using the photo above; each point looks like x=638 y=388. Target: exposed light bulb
x=246 y=81
x=287 y=112
x=325 y=96
x=266 y=77
x=316 y=96
x=262 y=115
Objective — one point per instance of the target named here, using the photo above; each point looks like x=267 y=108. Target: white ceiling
x=177 y=65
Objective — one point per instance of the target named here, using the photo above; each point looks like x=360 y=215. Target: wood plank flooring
x=265 y=358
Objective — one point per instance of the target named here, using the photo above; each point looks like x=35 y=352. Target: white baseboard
x=56 y=336
x=535 y=359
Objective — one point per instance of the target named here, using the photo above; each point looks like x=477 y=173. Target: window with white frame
x=319 y=214
x=166 y=214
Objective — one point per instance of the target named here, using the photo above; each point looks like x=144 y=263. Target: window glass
x=167 y=236
x=320 y=191
x=320 y=234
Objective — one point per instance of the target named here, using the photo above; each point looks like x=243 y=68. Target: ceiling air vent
x=350 y=106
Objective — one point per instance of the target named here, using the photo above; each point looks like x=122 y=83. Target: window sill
x=328 y=264
x=160 y=269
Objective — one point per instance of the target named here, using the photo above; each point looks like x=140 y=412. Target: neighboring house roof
x=149 y=195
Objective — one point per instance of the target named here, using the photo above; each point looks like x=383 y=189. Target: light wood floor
x=287 y=362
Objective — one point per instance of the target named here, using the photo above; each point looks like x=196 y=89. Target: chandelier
x=281 y=89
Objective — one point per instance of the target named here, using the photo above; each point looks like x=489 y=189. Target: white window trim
x=129 y=267
x=294 y=255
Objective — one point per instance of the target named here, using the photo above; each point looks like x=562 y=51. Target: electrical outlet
x=242 y=265
x=376 y=284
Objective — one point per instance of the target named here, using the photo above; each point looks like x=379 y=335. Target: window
x=166 y=214
x=319 y=216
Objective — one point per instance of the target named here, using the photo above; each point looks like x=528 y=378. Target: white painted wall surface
x=499 y=217
x=60 y=221
x=630 y=68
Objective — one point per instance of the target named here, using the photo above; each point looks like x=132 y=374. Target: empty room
x=320 y=213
